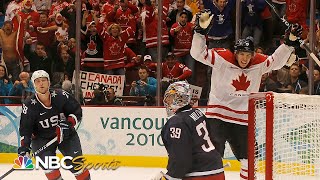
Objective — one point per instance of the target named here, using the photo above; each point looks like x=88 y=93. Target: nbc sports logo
x=23 y=162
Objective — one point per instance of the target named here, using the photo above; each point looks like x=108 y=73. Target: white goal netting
x=296 y=136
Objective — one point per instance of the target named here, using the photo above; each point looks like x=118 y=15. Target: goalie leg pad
x=53 y=174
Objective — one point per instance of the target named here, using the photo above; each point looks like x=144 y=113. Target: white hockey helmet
x=181 y=96
x=40 y=74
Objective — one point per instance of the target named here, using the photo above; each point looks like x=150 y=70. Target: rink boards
x=128 y=135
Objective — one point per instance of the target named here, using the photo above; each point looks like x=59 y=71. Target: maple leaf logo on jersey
x=91 y=48
x=242 y=83
x=293 y=7
x=123 y=19
x=115 y=49
x=184 y=37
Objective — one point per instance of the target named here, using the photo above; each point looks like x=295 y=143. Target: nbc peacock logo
x=23 y=162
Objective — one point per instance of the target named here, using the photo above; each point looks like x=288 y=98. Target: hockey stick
x=34 y=154
x=312 y=55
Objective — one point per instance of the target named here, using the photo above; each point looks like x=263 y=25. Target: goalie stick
x=33 y=154
x=312 y=55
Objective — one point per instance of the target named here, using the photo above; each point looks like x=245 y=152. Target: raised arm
x=199 y=50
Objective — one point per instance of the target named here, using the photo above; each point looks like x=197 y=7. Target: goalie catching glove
x=204 y=21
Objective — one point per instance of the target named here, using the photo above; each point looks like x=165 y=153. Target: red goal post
x=283 y=136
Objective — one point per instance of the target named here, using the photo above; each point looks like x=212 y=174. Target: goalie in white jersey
x=234 y=77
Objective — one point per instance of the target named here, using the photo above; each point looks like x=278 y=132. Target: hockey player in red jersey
x=234 y=77
x=49 y=114
x=192 y=155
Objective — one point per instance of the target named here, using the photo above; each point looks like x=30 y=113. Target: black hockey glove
x=204 y=22
x=23 y=150
x=292 y=34
x=64 y=130
x=296 y=30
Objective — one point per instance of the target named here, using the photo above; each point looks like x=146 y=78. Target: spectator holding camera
x=145 y=86
x=98 y=98
x=22 y=87
x=111 y=97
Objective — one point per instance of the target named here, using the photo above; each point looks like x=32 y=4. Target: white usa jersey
x=230 y=84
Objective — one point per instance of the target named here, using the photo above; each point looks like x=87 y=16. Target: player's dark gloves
x=204 y=22
x=295 y=29
x=23 y=150
x=64 y=130
x=292 y=34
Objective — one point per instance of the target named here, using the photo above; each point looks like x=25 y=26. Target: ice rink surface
x=123 y=173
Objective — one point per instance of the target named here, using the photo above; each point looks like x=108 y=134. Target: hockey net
x=284 y=137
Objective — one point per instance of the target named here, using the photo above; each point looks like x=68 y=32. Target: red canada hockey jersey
x=19 y=26
x=296 y=12
x=179 y=71
x=152 y=26
x=57 y=8
x=113 y=48
x=182 y=39
x=46 y=38
x=108 y=10
x=127 y=19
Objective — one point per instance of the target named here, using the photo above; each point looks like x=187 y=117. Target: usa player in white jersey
x=234 y=77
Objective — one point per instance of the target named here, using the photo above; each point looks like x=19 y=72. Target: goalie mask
x=177 y=96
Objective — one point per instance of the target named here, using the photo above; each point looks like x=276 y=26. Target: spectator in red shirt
x=152 y=68
x=125 y=18
x=45 y=30
x=108 y=10
x=182 y=31
x=172 y=69
x=151 y=23
x=114 y=41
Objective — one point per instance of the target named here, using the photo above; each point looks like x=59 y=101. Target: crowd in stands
x=119 y=37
